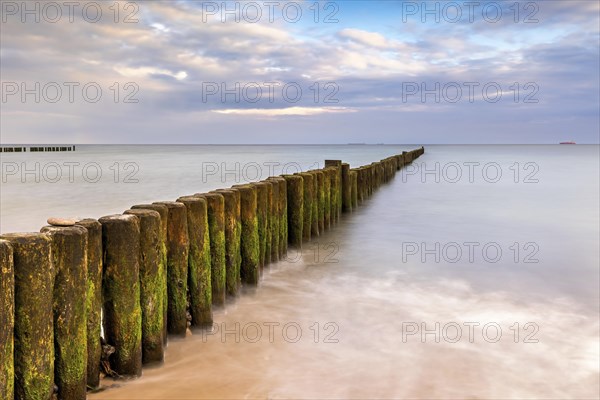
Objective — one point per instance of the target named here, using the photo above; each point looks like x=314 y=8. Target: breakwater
x=203 y=245
x=35 y=149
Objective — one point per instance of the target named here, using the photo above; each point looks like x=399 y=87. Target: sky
x=296 y=72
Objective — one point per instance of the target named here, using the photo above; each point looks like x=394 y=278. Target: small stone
x=61 y=221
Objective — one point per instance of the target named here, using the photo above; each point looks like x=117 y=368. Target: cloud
x=289 y=111
x=173 y=50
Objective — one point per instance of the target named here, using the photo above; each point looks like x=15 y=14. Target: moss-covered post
x=375 y=175
x=401 y=161
x=364 y=183
x=390 y=168
x=121 y=312
x=178 y=244
x=354 y=191
x=199 y=268
x=164 y=223
x=216 y=226
x=360 y=171
x=151 y=301
x=69 y=255
x=339 y=190
x=7 y=321
x=93 y=299
x=320 y=199
x=308 y=189
x=375 y=168
x=371 y=177
x=326 y=199
x=314 y=225
x=261 y=212
x=34 y=328
x=407 y=157
x=275 y=219
x=333 y=195
x=233 y=237
x=295 y=208
x=249 y=269
x=283 y=222
x=346 y=188
x=281 y=232
x=268 y=218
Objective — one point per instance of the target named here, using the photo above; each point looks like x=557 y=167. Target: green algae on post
x=93 y=300
x=249 y=244
x=7 y=320
x=331 y=173
x=216 y=225
x=151 y=301
x=34 y=333
x=275 y=219
x=354 y=188
x=283 y=244
x=69 y=255
x=346 y=188
x=162 y=268
x=233 y=231
x=268 y=218
x=307 y=205
x=337 y=183
x=122 y=314
x=295 y=208
x=177 y=267
x=199 y=263
x=314 y=220
x=261 y=213
x=320 y=199
x=280 y=227
x=326 y=199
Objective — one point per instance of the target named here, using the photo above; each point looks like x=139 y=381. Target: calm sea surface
x=473 y=274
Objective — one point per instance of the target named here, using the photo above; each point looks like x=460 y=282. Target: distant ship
x=569 y=142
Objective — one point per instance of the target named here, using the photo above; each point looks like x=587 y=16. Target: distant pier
x=35 y=149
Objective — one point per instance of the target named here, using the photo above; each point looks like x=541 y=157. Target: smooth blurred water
x=364 y=285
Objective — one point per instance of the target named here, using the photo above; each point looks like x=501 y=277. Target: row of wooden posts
x=142 y=274
x=34 y=149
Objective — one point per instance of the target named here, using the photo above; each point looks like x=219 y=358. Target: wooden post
x=249 y=244
x=307 y=205
x=34 y=328
x=164 y=224
x=93 y=298
x=151 y=291
x=314 y=231
x=216 y=226
x=261 y=208
x=275 y=219
x=7 y=321
x=178 y=243
x=354 y=191
x=320 y=199
x=69 y=255
x=233 y=238
x=295 y=208
x=199 y=262
x=346 y=188
x=122 y=314
x=283 y=221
